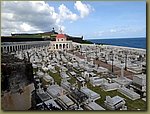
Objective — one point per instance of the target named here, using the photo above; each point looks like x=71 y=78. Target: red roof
x=60 y=36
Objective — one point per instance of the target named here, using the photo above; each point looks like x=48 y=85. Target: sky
x=90 y=19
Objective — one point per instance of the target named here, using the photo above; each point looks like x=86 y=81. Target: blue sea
x=126 y=42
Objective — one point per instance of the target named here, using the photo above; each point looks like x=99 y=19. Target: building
x=139 y=84
x=97 y=81
x=122 y=80
x=114 y=103
x=52 y=105
x=66 y=85
x=140 y=79
x=78 y=96
x=55 y=91
x=93 y=106
x=91 y=94
x=61 y=43
x=66 y=103
x=47 y=80
x=129 y=93
x=110 y=86
x=19 y=46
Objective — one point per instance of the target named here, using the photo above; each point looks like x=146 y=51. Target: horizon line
x=114 y=38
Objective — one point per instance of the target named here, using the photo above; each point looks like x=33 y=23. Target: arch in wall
x=53 y=46
x=7 y=48
x=64 y=46
x=10 y=48
x=2 y=49
x=60 y=46
x=56 y=46
x=67 y=45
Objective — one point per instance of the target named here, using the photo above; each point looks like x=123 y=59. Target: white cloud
x=84 y=9
x=65 y=13
x=117 y=31
x=34 y=16
x=27 y=17
x=26 y=27
x=113 y=30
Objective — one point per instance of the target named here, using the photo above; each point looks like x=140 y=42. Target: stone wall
x=17 y=83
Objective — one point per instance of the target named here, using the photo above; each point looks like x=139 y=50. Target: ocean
x=126 y=42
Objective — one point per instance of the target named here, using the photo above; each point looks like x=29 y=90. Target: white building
x=64 y=75
x=102 y=70
x=123 y=81
x=61 y=43
x=139 y=83
x=93 y=106
x=47 y=79
x=52 y=69
x=114 y=103
x=73 y=74
x=140 y=79
x=66 y=102
x=97 y=81
x=53 y=103
x=66 y=85
x=110 y=86
x=40 y=74
x=91 y=94
x=86 y=75
x=55 y=91
x=129 y=93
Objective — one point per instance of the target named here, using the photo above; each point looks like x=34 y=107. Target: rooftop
x=60 y=36
x=66 y=100
x=95 y=106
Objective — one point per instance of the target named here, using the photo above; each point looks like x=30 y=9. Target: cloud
x=27 y=17
x=26 y=27
x=84 y=9
x=65 y=13
x=113 y=30
x=35 y=16
x=118 y=31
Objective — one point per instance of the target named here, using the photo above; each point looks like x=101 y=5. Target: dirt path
x=116 y=70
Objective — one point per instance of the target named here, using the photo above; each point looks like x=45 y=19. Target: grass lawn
x=72 y=80
x=132 y=105
x=56 y=76
x=28 y=36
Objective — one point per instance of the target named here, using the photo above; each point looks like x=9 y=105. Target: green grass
x=76 y=71
x=56 y=76
x=28 y=36
x=132 y=105
x=137 y=104
x=35 y=69
x=72 y=80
